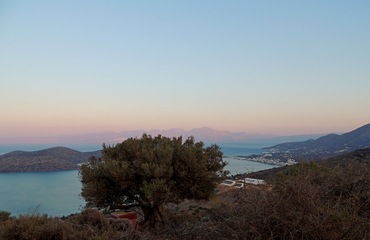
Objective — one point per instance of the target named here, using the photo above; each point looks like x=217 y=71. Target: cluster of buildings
x=271 y=158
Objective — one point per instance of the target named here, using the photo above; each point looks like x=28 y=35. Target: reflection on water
x=237 y=166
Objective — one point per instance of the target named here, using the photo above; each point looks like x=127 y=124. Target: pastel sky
x=270 y=67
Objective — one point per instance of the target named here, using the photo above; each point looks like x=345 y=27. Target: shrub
x=313 y=201
x=89 y=225
x=32 y=227
x=4 y=215
x=310 y=201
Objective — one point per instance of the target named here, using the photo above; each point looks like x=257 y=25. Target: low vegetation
x=314 y=200
x=88 y=225
x=310 y=201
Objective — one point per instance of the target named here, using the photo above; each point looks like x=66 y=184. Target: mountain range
x=205 y=134
x=326 y=146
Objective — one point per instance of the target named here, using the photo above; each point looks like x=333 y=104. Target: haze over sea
x=58 y=193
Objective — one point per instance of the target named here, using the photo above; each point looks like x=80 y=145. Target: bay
x=52 y=193
x=237 y=166
x=58 y=193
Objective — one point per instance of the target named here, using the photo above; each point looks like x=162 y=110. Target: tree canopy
x=152 y=171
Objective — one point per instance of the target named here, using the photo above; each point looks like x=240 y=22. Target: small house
x=254 y=181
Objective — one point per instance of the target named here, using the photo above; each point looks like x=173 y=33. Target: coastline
x=269 y=161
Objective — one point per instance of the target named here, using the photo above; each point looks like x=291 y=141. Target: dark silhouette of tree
x=152 y=171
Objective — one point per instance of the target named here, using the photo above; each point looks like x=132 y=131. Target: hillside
x=361 y=155
x=51 y=159
x=323 y=147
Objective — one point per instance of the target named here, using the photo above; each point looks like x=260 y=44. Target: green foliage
x=152 y=171
x=4 y=215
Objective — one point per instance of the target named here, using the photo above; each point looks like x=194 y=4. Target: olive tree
x=152 y=171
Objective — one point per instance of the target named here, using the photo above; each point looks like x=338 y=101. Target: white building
x=228 y=182
x=254 y=181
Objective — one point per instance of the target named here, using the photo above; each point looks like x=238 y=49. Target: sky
x=269 y=67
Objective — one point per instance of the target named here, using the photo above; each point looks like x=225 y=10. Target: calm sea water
x=57 y=193
x=52 y=193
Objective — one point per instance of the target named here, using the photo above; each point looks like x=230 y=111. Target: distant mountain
x=205 y=134
x=326 y=146
x=51 y=159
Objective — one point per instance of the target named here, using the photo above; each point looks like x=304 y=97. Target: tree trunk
x=152 y=215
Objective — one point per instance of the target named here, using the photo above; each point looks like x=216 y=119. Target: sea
x=58 y=193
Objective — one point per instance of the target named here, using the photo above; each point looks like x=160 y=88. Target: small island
x=51 y=159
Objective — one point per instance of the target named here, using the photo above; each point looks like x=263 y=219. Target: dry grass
x=312 y=201
x=89 y=225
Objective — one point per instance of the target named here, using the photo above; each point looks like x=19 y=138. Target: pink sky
x=71 y=68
